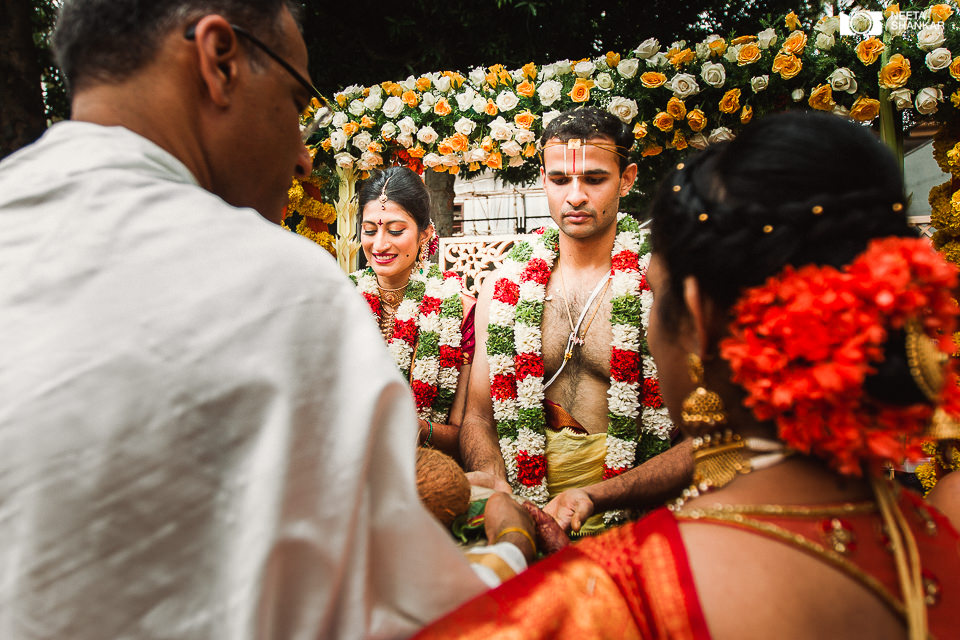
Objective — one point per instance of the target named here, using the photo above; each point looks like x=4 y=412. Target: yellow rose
x=730 y=102
x=865 y=109
x=792 y=21
x=326 y=144
x=718 y=46
x=787 y=65
x=341 y=99
x=350 y=128
x=892 y=9
x=746 y=114
x=487 y=144
x=749 y=53
x=821 y=98
x=494 y=160
x=423 y=84
x=895 y=73
x=525 y=119
x=652 y=79
x=526 y=89
x=678 y=57
x=651 y=150
x=679 y=141
x=442 y=107
x=795 y=43
x=696 y=120
x=613 y=59
x=581 y=90
x=663 y=121
x=367 y=122
x=955 y=99
x=742 y=40
x=530 y=150
x=869 y=50
x=530 y=70
x=676 y=108
x=955 y=68
x=505 y=77
x=940 y=12
x=410 y=98
x=491 y=108
x=459 y=142
x=474 y=166
x=639 y=130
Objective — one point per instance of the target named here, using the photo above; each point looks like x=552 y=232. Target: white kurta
x=201 y=433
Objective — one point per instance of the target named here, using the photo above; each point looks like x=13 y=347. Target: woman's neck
x=392 y=283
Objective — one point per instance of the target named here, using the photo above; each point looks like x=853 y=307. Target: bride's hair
x=403 y=187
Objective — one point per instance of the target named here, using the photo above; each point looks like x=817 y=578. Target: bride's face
x=390 y=241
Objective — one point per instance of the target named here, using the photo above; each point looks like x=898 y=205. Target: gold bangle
x=523 y=532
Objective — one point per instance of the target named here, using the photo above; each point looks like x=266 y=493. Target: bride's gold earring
x=421 y=257
x=702 y=408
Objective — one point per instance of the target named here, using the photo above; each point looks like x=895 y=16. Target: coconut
x=442 y=485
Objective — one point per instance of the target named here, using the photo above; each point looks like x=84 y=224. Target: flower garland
x=514 y=352
x=427 y=324
x=803 y=343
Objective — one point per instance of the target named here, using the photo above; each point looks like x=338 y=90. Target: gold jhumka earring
x=702 y=408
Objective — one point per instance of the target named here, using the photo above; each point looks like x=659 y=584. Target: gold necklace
x=390 y=300
x=578 y=338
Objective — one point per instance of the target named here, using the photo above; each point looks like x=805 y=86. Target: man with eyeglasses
x=201 y=434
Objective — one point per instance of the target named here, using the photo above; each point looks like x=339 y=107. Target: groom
x=576 y=451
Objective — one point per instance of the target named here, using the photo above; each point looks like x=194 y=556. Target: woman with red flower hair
x=425 y=318
x=801 y=330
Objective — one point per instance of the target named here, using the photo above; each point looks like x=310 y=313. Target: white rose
x=549 y=92
x=338 y=140
x=465 y=126
x=507 y=100
x=661 y=60
x=392 y=107
x=939 y=59
x=479 y=103
x=464 y=99
x=339 y=119
x=362 y=140
x=369 y=160
x=373 y=101
x=714 y=74
x=449 y=160
x=897 y=24
x=843 y=79
x=797 y=94
x=475 y=155
x=828 y=25
x=604 y=81
x=759 y=83
x=515 y=161
x=683 y=85
x=733 y=53
x=766 y=38
x=523 y=136
x=477 y=75
x=431 y=160
x=628 y=67
x=388 y=131
x=563 y=67
x=405 y=139
x=720 y=134
x=623 y=108
x=511 y=148
x=584 y=69
x=927 y=99
x=860 y=21
x=518 y=76
x=547 y=71
x=407 y=126
x=678 y=45
x=647 y=49
x=344 y=160
x=500 y=129
x=442 y=84
x=825 y=42
x=901 y=98
x=840 y=110
x=549 y=115
x=352 y=89
x=702 y=50
x=410 y=84
x=698 y=141
x=931 y=36
x=427 y=135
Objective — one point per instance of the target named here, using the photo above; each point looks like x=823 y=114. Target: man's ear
x=701 y=312
x=627 y=177
x=217 y=54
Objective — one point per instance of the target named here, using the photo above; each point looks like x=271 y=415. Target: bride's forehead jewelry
x=574 y=150
x=382 y=199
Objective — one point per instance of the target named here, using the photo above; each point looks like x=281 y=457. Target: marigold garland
x=802 y=344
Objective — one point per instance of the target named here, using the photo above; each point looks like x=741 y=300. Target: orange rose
x=474 y=166
x=787 y=65
x=444 y=147
x=453 y=170
x=374 y=147
x=679 y=141
x=718 y=46
x=652 y=79
x=367 y=122
x=696 y=120
x=341 y=99
x=749 y=53
x=613 y=59
x=525 y=119
x=792 y=21
x=678 y=57
x=526 y=89
x=456 y=80
x=895 y=73
x=417 y=152
x=742 y=40
x=865 y=109
x=940 y=12
x=651 y=150
x=955 y=68
x=459 y=142
x=795 y=43
x=423 y=84
x=639 y=130
x=350 y=128
x=487 y=144
x=663 y=121
x=530 y=70
x=494 y=160
x=869 y=50
x=492 y=79
x=530 y=150
x=581 y=90
x=746 y=114
x=442 y=107
x=892 y=9
x=676 y=108
x=410 y=98
x=505 y=77
x=392 y=88
x=491 y=108
x=366 y=92
x=955 y=100
x=821 y=98
x=326 y=144
x=730 y=101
